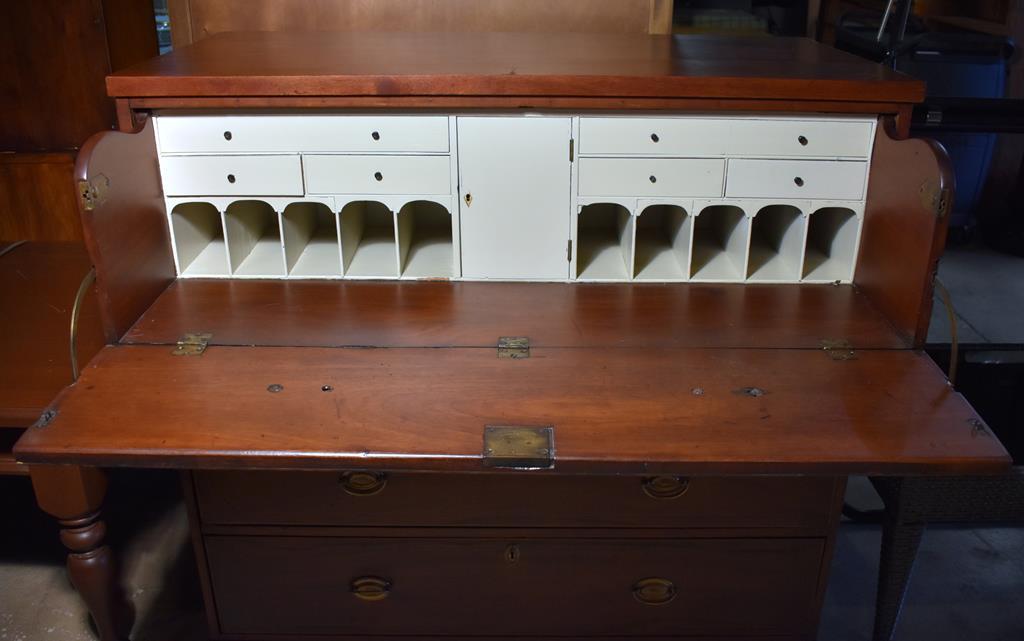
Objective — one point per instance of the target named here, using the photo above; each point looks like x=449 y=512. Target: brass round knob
x=654 y=591
x=665 y=487
x=370 y=588
x=363 y=483
x=802 y=140
x=799 y=181
x=655 y=137
x=227 y=135
x=375 y=135
x=654 y=179
x=379 y=176
x=231 y=178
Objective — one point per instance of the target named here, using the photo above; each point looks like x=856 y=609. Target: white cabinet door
x=514 y=188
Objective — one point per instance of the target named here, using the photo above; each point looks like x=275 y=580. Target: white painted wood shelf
x=704 y=198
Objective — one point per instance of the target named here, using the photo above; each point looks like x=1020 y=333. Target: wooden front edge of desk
x=749 y=440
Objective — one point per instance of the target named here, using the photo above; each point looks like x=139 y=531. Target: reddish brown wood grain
x=38 y=282
x=125 y=227
x=614 y=410
x=904 y=233
x=514 y=65
x=476 y=314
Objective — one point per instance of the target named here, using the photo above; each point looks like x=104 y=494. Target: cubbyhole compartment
x=199 y=240
x=604 y=242
x=776 y=244
x=663 y=243
x=254 y=239
x=368 y=247
x=425 y=240
x=719 y=243
x=831 y=244
x=311 y=240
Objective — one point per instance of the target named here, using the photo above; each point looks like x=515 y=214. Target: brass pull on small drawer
x=654 y=591
x=665 y=487
x=363 y=483
x=370 y=588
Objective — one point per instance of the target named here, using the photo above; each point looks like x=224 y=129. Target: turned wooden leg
x=73 y=495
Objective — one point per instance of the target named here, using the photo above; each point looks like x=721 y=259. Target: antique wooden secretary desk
x=506 y=335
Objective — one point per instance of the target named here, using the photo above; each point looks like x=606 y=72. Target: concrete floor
x=968 y=584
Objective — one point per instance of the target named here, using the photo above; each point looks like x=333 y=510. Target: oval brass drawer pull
x=665 y=487
x=370 y=588
x=363 y=483
x=654 y=591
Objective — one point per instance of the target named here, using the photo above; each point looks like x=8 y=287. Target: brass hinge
x=514 y=347
x=192 y=344
x=568 y=251
x=519 y=447
x=839 y=349
x=572 y=149
x=936 y=198
x=92 y=192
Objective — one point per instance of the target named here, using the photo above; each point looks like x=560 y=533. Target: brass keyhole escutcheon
x=370 y=588
x=665 y=487
x=468 y=199
x=654 y=591
x=799 y=181
x=379 y=176
x=512 y=553
x=231 y=178
x=802 y=140
x=363 y=483
x=375 y=135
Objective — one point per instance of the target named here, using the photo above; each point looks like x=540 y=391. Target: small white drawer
x=832 y=180
x=308 y=133
x=425 y=175
x=654 y=136
x=794 y=138
x=640 y=177
x=231 y=175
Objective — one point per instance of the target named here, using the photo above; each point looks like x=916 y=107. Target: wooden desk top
x=571 y=65
x=38 y=282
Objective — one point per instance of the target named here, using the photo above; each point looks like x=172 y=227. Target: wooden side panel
x=630 y=411
x=905 y=220
x=131 y=31
x=38 y=282
x=207 y=17
x=37 y=198
x=125 y=225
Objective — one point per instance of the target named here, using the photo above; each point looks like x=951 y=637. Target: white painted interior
x=609 y=197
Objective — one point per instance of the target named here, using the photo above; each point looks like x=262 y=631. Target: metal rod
x=954 y=344
x=885 y=20
x=86 y=283
x=12 y=246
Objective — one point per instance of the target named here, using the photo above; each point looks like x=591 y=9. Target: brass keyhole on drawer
x=799 y=181
x=512 y=553
x=468 y=199
x=654 y=179
x=379 y=176
x=654 y=591
x=231 y=178
x=665 y=487
x=375 y=135
x=363 y=483
x=227 y=135
x=655 y=137
x=802 y=140
x=370 y=588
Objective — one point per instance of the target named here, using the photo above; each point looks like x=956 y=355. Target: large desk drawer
x=305 y=133
x=278 y=175
x=424 y=175
x=652 y=177
x=513 y=586
x=327 y=498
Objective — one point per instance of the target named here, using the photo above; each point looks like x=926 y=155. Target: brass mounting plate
x=92 y=192
x=192 y=344
x=839 y=349
x=519 y=447
x=514 y=347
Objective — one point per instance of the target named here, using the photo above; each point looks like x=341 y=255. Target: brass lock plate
x=519 y=447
